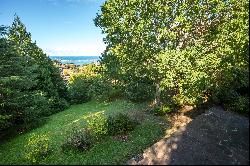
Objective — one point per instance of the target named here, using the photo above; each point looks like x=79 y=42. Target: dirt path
x=214 y=137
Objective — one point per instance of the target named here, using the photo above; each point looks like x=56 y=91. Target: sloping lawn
x=108 y=151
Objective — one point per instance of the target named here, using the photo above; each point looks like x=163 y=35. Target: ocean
x=77 y=60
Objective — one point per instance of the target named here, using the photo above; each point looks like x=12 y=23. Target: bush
x=58 y=104
x=78 y=89
x=141 y=90
x=36 y=106
x=97 y=123
x=102 y=89
x=120 y=124
x=37 y=148
x=5 y=121
x=235 y=97
x=79 y=139
x=162 y=110
x=97 y=127
x=240 y=104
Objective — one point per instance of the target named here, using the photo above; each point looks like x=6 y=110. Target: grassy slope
x=109 y=151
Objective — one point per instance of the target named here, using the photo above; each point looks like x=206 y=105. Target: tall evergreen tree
x=17 y=81
x=49 y=79
x=30 y=85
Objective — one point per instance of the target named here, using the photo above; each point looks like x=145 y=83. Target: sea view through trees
x=77 y=60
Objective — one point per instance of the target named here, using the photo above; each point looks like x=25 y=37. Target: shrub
x=141 y=90
x=162 y=110
x=240 y=104
x=78 y=89
x=5 y=121
x=102 y=89
x=37 y=148
x=236 y=99
x=79 y=139
x=97 y=123
x=120 y=124
x=58 y=104
x=36 y=106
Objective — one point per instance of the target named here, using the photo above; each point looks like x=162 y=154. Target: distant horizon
x=78 y=60
x=66 y=28
x=75 y=55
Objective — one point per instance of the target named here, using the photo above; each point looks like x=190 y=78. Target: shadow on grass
x=16 y=130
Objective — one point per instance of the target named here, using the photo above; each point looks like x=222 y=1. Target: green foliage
x=57 y=104
x=85 y=84
x=240 y=104
x=191 y=49
x=58 y=83
x=107 y=151
x=78 y=89
x=162 y=110
x=37 y=107
x=120 y=124
x=101 y=124
x=15 y=82
x=185 y=83
x=5 y=121
x=79 y=139
x=37 y=148
x=103 y=89
x=30 y=85
x=97 y=122
x=91 y=70
x=139 y=90
x=88 y=84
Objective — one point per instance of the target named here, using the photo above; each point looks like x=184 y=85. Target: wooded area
x=165 y=53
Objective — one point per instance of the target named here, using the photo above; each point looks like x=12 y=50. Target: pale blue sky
x=60 y=27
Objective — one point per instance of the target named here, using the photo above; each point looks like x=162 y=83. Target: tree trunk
x=157 y=99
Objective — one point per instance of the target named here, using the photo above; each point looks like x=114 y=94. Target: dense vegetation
x=30 y=85
x=166 y=53
x=183 y=52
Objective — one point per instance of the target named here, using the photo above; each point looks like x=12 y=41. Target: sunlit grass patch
x=106 y=151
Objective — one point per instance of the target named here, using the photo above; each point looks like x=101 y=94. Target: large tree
x=19 y=102
x=183 y=46
x=48 y=75
x=30 y=85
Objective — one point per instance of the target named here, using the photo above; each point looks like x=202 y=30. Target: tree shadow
x=215 y=137
x=6 y=135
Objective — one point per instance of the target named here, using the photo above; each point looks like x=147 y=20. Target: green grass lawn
x=108 y=151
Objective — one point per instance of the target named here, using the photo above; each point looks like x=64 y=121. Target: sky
x=59 y=27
